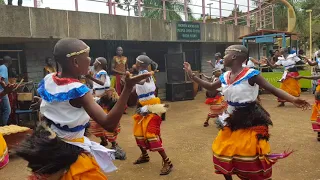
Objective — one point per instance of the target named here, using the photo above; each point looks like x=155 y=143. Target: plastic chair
x=24 y=100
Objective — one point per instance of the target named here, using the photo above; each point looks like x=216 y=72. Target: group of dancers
x=59 y=149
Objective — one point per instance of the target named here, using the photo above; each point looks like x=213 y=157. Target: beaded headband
x=139 y=61
x=78 y=53
x=233 y=49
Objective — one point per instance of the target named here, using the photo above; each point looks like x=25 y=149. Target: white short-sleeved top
x=98 y=76
x=147 y=90
x=219 y=64
x=100 y=89
x=68 y=122
x=288 y=62
x=239 y=92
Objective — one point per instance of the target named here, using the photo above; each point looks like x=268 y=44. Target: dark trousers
x=19 y=2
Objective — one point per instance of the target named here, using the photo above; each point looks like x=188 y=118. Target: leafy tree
x=2 y=2
x=153 y=9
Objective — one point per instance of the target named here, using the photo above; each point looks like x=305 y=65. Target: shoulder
x=54 y=89
x=223 y=77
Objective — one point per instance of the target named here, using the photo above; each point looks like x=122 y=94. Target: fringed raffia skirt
x=245 y=152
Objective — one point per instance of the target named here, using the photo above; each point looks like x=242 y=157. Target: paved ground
x=188 y=144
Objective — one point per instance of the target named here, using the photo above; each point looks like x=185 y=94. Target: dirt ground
x=188 y=144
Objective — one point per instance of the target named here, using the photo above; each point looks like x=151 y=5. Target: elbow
x=109 y=127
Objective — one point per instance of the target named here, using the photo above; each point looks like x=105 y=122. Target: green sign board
x=188 y=31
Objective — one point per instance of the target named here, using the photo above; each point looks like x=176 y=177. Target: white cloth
x=107 y=82
x=102 y=155
x=148 y=88
x=250 y=64
x=239 y=92
x=288 y=62
x=219 y=64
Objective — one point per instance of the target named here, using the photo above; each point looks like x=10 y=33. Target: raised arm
x=311 y=63
x=207 y=77
x=100 y=82
x=209 y=86
x=255 y=61
x=211 y=64
x=308 y=77
x=111 y=120
x=278 y=92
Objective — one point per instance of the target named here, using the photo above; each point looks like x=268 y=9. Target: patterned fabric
x=147 y=132
x=99 y=131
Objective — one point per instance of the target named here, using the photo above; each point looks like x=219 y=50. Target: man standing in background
x=5 y=108
x=19 y=2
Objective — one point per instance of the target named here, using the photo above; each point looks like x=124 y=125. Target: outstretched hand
x=300 y=103
x=187 y=68
x=8 y=88
x=131 y=81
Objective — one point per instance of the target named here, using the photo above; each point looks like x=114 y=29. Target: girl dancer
x=315 y=116
x=106 y=98
x=58 y=147
x=242 y=147
x=288 y=82
x=214 y=98
x=148 y=118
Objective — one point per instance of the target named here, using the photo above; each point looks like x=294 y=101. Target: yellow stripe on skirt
x=291 y=86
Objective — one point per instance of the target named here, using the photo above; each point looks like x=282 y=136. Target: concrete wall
x=24 y=22
x=36 y=52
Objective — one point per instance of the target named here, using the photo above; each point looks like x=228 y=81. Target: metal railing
x=254 y=13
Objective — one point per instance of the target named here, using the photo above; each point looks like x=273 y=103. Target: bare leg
x=167 y=165
x=144 y=157
x=228 y=177
x=206 y=123
x=104 y=141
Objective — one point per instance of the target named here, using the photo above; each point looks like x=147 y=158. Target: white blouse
x=288 y=62
x=147 y=90
x=99 y=90
x=238 y=93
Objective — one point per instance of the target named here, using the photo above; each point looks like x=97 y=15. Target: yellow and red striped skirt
x=241 y=153
x=98 y=131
